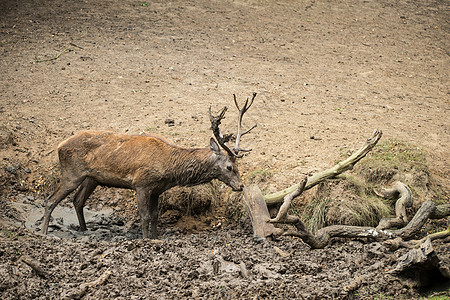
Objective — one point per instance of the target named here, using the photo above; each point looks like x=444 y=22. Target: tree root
x=324 y=235
x=402 y=203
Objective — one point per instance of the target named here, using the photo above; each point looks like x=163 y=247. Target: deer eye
x=229 y=168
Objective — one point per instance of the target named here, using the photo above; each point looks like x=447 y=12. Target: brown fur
x=148 y=164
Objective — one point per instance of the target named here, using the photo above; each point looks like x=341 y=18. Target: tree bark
x=259 y=214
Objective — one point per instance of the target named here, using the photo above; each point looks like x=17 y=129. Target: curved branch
x=282 y=215
x=339 y=168
x=402 y=203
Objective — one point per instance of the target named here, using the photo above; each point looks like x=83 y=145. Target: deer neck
x=192 y=166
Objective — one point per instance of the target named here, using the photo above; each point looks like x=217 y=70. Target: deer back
x=130 y=160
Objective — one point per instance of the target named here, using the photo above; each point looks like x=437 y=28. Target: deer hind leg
x=65 y=187
x=84 y=191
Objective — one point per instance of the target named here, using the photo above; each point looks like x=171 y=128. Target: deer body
x=147 y=164
x=127 y=161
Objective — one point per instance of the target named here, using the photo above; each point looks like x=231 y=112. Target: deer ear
x=214 y=146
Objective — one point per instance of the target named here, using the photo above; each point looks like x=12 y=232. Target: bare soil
x=327 y=73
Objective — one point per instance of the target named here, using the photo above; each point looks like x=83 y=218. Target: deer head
x=226 y=165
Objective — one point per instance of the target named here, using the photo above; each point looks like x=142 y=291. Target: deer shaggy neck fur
x=191 y=166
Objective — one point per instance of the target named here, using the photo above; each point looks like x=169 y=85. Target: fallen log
x=339 y=168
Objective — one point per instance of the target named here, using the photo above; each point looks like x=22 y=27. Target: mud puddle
x=103 y=224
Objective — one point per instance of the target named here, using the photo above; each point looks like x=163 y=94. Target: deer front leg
x=144 y=208
x=154 y=214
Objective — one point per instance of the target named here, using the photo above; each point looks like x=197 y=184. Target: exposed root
x=402 y=203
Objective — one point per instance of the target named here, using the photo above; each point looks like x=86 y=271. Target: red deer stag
x=148 y=164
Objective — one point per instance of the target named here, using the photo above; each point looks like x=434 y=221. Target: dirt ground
x=327 y=74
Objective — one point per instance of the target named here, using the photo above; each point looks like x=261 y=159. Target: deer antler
x=215 y=123
x=222 y=139
x=240 y=133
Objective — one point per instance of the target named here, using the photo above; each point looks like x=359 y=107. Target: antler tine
x=215 y=122
x=240 y=133
x=246 y=105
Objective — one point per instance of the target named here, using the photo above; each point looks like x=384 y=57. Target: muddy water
x=102 y=224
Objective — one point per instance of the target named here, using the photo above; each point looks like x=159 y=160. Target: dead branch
x=99 y=281
x=323 y=236
x=281 y=252
x=356 y=283
x=282 y=215
x=78 y=293
x=419 y=219
x=441 y=211
x=416 y=258
x=421 y=263
x=35 y=265
x=405 y=200
x=398 y=242
x=339 y=168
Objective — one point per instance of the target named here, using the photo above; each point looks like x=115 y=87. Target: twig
x=72 y=44
x=281 y=252
x=34 y=264
x=53 y=58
